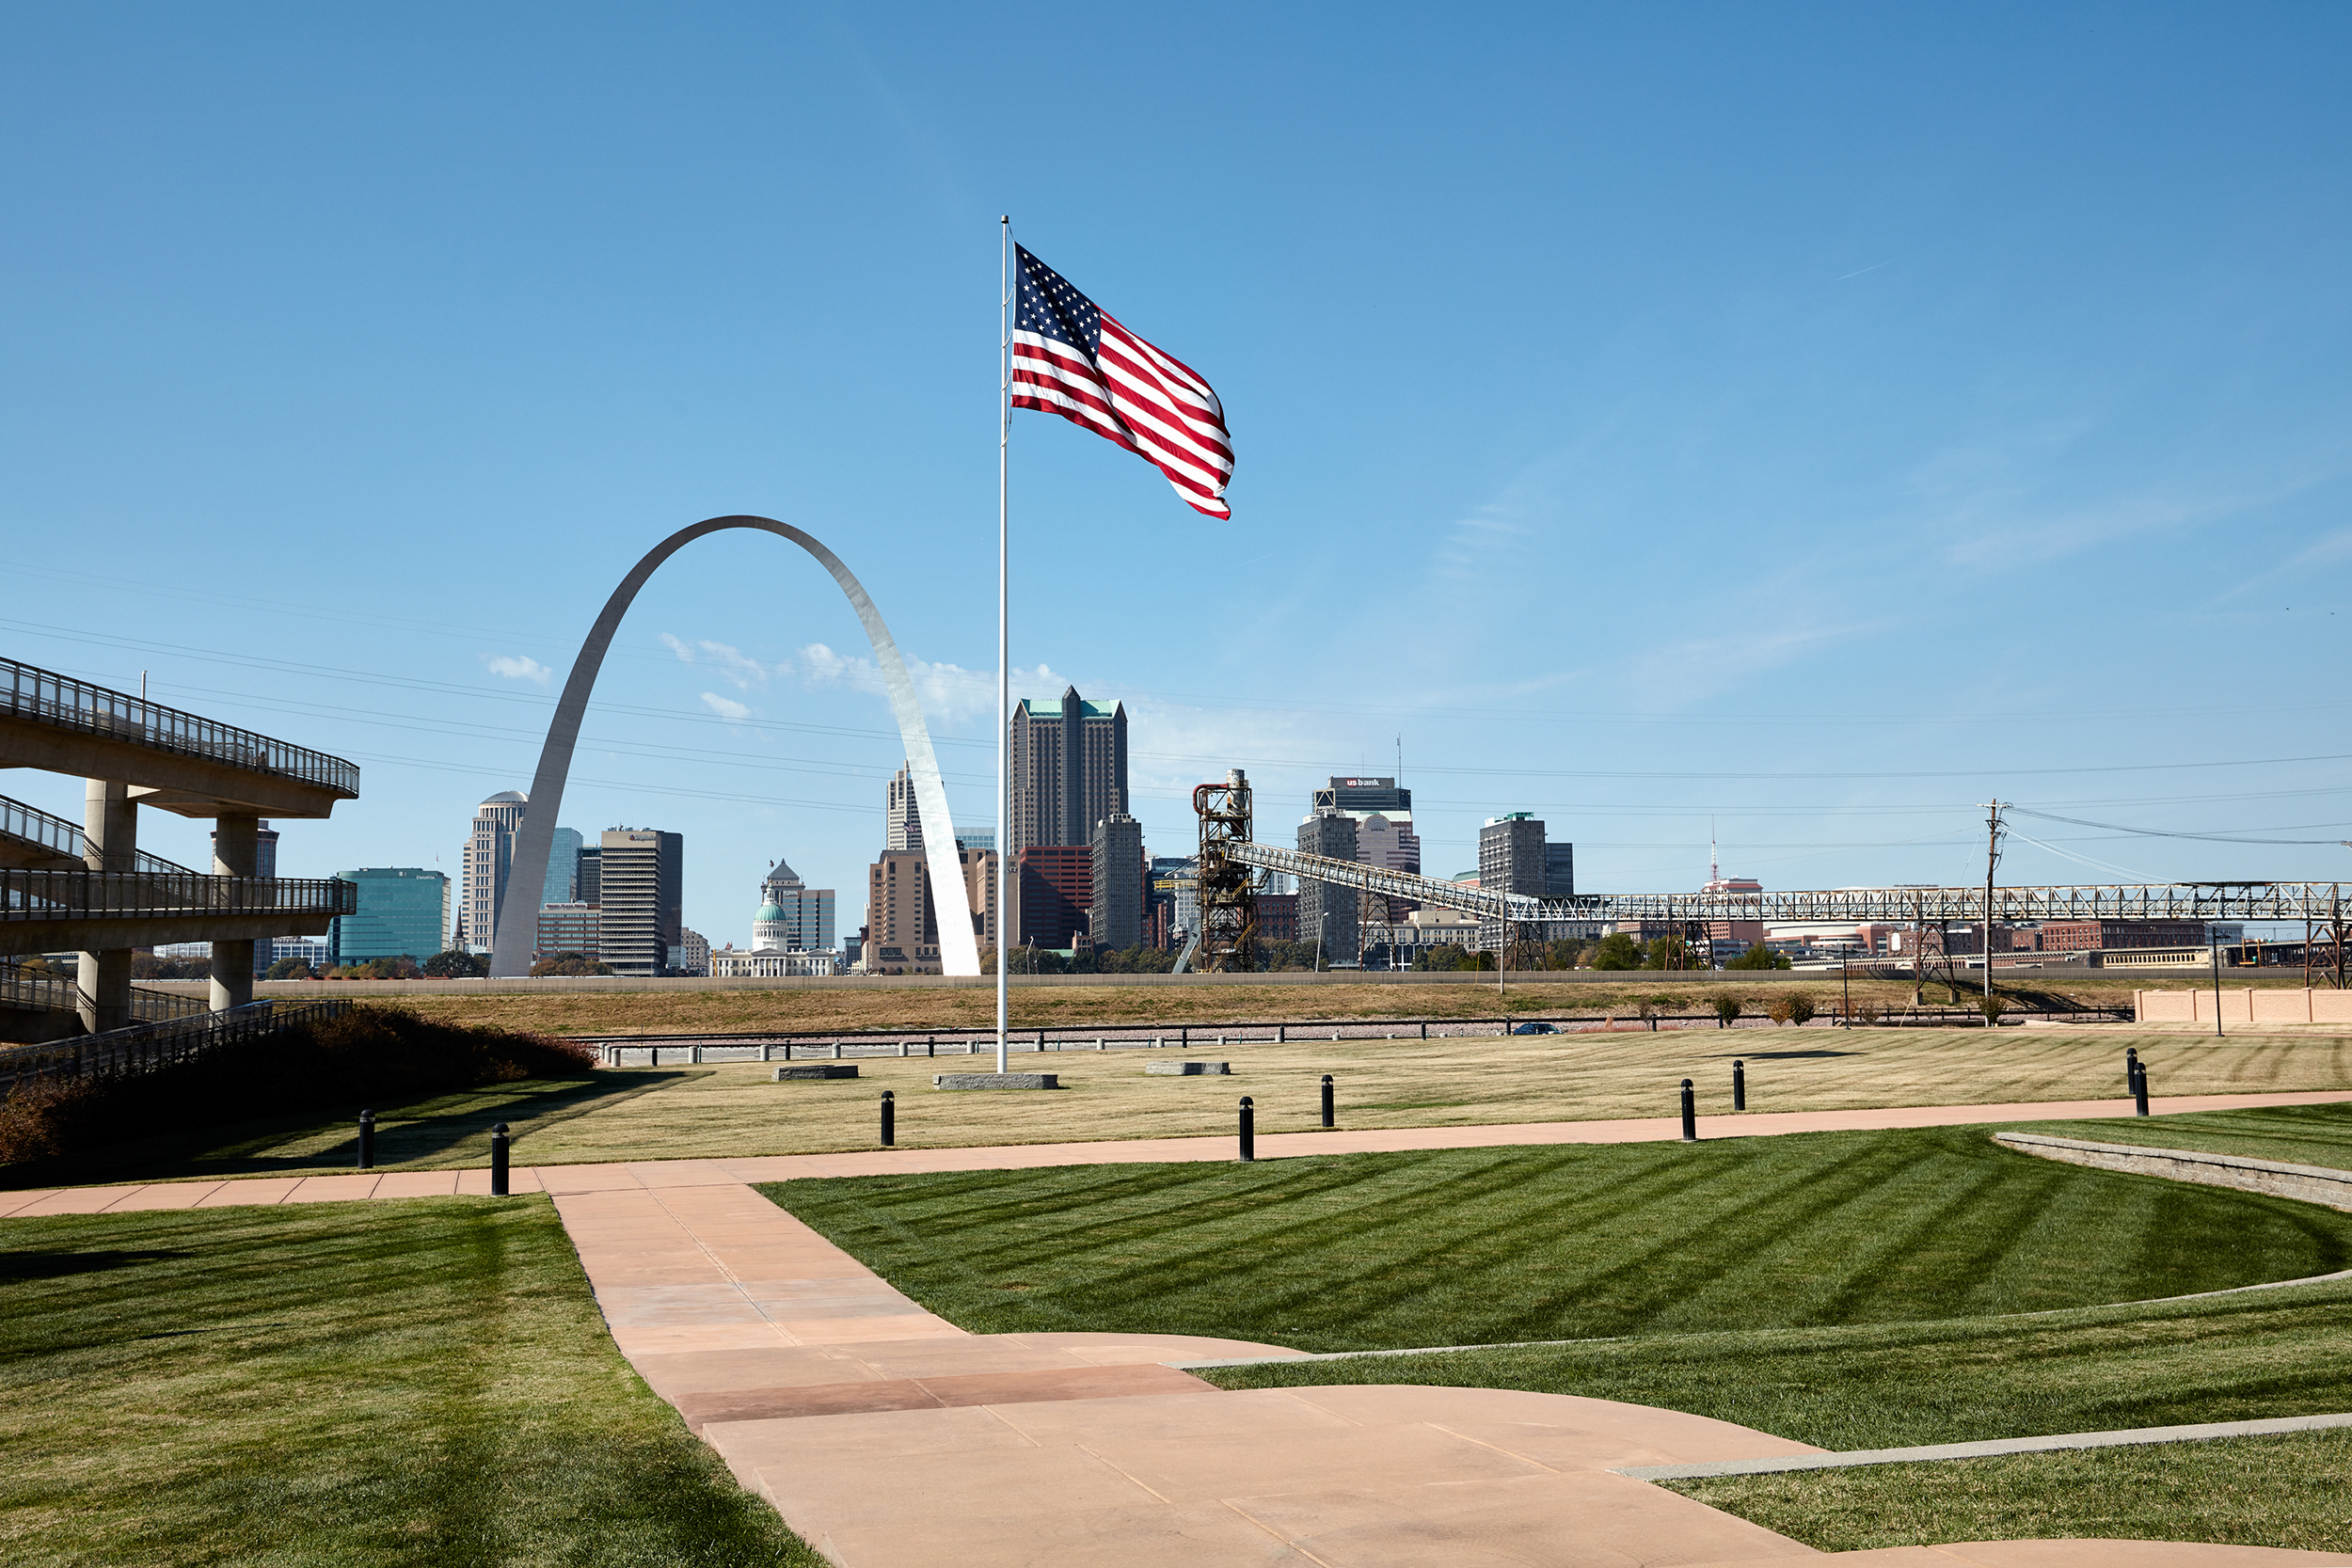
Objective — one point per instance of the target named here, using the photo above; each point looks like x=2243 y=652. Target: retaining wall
x=2243 y=1005
x=2308 y=1183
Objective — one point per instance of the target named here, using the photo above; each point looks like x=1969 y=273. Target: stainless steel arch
x=518 y=907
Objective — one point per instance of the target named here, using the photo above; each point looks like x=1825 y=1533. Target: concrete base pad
x=996 y=1081
x=1186 y=1070
x=828 y=1069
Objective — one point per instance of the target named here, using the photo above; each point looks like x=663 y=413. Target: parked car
x=1534 y=1029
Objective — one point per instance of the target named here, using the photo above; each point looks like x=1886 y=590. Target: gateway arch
x=518 y=907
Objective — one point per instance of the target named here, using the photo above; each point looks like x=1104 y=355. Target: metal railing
x=49 y=698
x=23 y=986
x=128 y=894
x=61 y=836
x=144 y=1047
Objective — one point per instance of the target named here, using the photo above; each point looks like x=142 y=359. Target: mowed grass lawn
x=1486 y=1247
x=420 y=1383
x=2292 y=1492
x=719 y=1112
x=2292 y=1134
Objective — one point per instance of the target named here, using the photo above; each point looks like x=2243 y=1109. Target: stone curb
x=2129 y=1436
x=2318 y=1184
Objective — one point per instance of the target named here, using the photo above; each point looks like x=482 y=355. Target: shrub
x=369 y=1054
x=1799 y=1007
x=454 y=965
x=1866 y=1011
x=1991 y=1007
x=1726 y=1009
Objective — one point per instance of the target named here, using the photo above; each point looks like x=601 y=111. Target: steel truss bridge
x=2316 y=901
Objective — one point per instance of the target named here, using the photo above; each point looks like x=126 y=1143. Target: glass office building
x=404 y=913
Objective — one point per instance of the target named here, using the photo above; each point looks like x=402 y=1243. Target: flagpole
x=1004 y=663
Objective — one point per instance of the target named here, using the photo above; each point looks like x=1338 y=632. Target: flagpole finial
x=1006 y=218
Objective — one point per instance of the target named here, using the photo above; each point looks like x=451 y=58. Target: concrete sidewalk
x=131 y=1198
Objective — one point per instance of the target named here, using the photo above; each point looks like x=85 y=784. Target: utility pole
x=1992 y=858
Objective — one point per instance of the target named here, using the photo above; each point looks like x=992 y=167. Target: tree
x=1617 y=950
x=288 y=969
x=454 y=965
x=1726 y=1009
x=1759 y=957
x=568 y=964
x=1673 y=951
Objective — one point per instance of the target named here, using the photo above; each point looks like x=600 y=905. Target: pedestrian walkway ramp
x=180 y=762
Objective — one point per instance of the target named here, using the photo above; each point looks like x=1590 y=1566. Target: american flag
x=1072 y=358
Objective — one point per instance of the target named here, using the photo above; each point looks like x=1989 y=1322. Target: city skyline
x=1830 y=451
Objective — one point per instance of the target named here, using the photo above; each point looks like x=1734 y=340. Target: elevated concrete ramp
x=180 y=762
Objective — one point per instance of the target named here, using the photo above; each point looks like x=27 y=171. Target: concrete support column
x=235 y=842
x=110 y=834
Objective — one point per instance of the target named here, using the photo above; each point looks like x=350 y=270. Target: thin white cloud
x=730 y=663
x=950 y=693
x=725 y=707
x=517 y=667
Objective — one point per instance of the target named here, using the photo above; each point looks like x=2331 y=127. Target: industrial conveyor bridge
x=2317 y=901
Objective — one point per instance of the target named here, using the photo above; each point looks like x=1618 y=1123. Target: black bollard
x=1329 y=1116
x=1738 y=1085
x=890 y=1120
x=2131 y=1068
x=2140 y=1091
x=498 y=1161
x=1248 y=1131
x=367 y=1140
x=1689 y=1114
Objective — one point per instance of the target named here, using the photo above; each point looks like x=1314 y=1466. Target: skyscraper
x=1514 y=857
x=1116 y=918
x=563 y=868
x=901 y=933
x=1068 y=766
x=905 y=829
x=1327 y=914
x=643 y=877
x=489 y=852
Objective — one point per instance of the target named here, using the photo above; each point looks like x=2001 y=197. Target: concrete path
x=890 y=1438
x=893 y=1161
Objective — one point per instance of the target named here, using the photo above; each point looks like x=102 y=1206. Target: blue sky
x=1801 y=420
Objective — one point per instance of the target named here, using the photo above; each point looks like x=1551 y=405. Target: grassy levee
x=736 y=1110
x=2292 y=1134
x=1487 y=1246
x=420 y=1382
x=1202 y=999
x=2282 y=1492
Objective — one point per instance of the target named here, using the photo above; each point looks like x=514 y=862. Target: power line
x=2166 y=833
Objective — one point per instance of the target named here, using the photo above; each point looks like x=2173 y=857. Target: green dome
x=768 y=911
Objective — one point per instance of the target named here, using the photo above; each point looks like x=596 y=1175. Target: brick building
x=2076 y=936
x=1056 y=887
